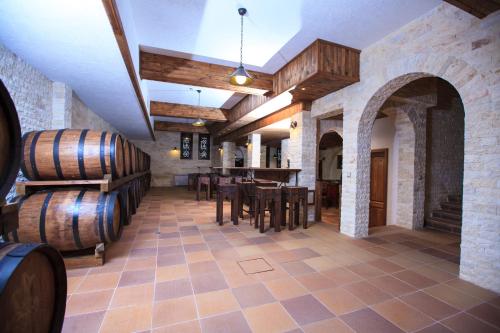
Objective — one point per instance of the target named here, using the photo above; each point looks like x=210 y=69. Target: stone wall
x=166 y=163
x=82 y=117
x=463 y=50
x=445 y=155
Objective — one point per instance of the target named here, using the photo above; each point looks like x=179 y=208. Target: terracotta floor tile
x=367 y=293
x=128 y=319
x=285 y=288
x=172 y=289
x=436 y=328
x=84 y=323
x=315 y=281
x=297 y=268
x=130 y=278
x=216 y=302
x=230 y=322
x=365 y=271
x=306 y=309
x=488 y=313
x=187 y=327
x=415 y=279
x=339 y=301
x=269 y=318
x=168 y=250
x=434 y=273
x=367 y=320
x=253 y=295
x=133 y=295
x=322 y=263
x=304 y=253
x=88 y=302
x=147 y=252
x=238 y=279
x=174 y=311
x=255 y=265
x=204 y=283
x=429 y=305
x=99 y=282
x=392 y=286
x=203 y=267
x=471 y=289
x=386 y=266
x=464 y=323
x=199 y=256
x=380 y=251
x=197 y=247
x=134 y=264
x=73 y=282
x=342 y=276
x=327 y=326
x=168 y=273
x=452 y=296
x=171 y=259
x=402 y=315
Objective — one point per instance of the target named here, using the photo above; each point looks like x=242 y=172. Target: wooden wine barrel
x=10 y=142
x=32 y=288
x=71 y=219
x=126 y=204
x=133 y=158
x=71 y=154
x=126 y=158
x=131 y=199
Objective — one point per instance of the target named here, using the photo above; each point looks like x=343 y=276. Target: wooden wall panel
x=178 y=127
x=478 y=8
x=186 y=111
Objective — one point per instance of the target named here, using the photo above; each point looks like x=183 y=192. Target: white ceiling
x=72 y=41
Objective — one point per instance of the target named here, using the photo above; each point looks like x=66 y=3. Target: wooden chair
x=192 y=181
x=204 y=181
x=294 y=196
x=270 y=197
x=227 y=191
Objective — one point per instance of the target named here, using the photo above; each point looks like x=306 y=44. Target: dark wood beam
x=178 y=127
x=478 y=8
x=165 y=68
x=320 y=69
x=121 y=39
x=279 y=115
x=186 y=111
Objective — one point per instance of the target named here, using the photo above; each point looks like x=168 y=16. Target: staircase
x=449 y=217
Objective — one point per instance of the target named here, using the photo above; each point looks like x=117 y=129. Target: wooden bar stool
x=192 y=181
x=203 y=181
x=271 y=197
x=246 y=196
x=230 y=192
x=295 y=196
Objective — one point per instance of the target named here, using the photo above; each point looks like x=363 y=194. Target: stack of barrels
x=79 y=218
x=32 y=276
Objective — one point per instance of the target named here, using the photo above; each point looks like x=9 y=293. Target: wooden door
x=378 y=187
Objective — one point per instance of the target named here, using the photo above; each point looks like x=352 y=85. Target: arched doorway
x=427 y=156
x=329 y=177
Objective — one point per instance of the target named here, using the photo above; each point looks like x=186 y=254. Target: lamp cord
x=241 y=42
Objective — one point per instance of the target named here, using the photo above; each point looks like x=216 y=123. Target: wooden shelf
x=103 y=185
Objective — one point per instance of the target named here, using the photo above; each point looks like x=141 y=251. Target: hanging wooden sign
x=186 y=146
x=204 y=146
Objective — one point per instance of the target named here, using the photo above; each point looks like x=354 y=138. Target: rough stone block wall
x=61 y=105
x=463 y=50
x=445 y=155
x=253 y=151
x=228 y=151
x=82 y=117
x=284 y=153
x=166 y=163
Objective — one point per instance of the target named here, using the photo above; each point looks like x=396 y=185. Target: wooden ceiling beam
x=478 y=8
x=186 y=111
x=179 y=127
x=279 y=115
x=165 y=68
x=121 y=39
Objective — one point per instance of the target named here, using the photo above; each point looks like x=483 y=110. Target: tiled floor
x=175 y=270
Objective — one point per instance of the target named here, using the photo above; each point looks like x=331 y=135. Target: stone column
x=284 y=153
x=263 y=152
x=253 y=151
x=61 y=105
x=228 y=149
x=302 y=152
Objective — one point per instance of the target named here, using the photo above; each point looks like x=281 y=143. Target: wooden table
x=281 y=175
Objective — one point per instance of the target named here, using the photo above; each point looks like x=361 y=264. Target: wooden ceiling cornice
x=159 y=67
x=478 y=8
x=179 y=127
x=121 y=39
x=186 y=111
x=279 y=115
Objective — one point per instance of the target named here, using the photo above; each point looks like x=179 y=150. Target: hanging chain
x=199 y=96
x=241 y=42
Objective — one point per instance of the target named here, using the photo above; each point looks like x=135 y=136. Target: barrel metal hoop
x=55 y=154
x=100 y=213
x=36 y=175
x=102 y=155
x=15 y=236
x=112 y=152
x=43 y=213
x=81 y=150
x=23 y=160
x=11 y=260
x=110 y=213
x=76 y=213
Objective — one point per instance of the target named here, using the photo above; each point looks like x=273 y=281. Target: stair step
x=452 y=206
x=447 y=214
x=438 y=224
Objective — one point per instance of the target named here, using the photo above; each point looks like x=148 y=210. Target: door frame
x=386 y=155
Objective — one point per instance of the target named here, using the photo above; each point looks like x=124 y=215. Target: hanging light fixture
x=199 y=122
x=240 y=76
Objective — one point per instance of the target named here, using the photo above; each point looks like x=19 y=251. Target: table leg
x=277 y=210
x=262 y=213
x=219 y=209
x=304 y=224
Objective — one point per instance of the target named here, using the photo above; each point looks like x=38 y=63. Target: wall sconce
x=293 y=124
x=220 y=148
x=249 y=142
x=174 y=149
